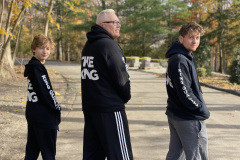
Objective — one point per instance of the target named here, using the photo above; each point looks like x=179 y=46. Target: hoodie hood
x=97 y=32
x=30 y=65
x=178 y=48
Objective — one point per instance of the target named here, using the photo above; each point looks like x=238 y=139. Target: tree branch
x=9 y=37
x=48 y=16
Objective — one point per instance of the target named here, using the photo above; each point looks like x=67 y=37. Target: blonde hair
x=103 y=14
x=42 y=40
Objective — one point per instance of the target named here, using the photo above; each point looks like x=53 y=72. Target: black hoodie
x=104 y=78
x=42 y=108
x=185 y=99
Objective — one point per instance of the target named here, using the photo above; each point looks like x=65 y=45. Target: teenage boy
x=42 y=110
x=186 y=109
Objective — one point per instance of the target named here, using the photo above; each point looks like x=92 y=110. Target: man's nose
x=119 y=25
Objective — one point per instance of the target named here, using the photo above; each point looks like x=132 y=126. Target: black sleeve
x=43 y=88
x=182 y=81
x=118 y=72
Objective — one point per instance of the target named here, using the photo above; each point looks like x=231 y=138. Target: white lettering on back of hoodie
x=32 y=96
x=87 y=61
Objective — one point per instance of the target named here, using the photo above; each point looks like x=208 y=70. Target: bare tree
x=6 y=62
x=50 y=7
x=1 y=19
x=17 y=43
x=8 y=37
x=1 y=14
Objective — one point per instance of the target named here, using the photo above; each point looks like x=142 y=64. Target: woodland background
x=148 y=28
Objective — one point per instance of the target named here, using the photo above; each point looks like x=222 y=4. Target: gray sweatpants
x=188 y=140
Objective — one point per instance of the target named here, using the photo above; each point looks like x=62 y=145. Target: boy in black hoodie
x=42 y=110
x=186 y=109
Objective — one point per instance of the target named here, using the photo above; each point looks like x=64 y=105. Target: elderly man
x=105 y=90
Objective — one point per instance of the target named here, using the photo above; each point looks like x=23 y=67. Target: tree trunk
x=143 y=45
x=50 y=7
x=6 y=64
x=68 y=48
x=220 y=53
x=59 y=50
x=215 y=63
x=59 y=34
x=31 y=24
x=103 y=4
x=1 y=16
x=8 y=36
x=68 y=45
x=216 y=59
x=220 y=35
x=222 y=61
x=117 y=8
x=8 y=21
x=17 y=43
x=2 y=5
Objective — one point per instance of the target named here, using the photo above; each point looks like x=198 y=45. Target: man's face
x=112 y=28
x=42 y=53
x=191 y=41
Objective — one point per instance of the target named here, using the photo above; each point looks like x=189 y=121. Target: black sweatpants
x=106 y=135
x=41 y=140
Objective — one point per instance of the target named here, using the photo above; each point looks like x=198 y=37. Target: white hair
x=102 y=15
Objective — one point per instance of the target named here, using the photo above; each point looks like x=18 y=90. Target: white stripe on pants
x=121 y=135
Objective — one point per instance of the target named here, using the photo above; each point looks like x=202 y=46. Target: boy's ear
x=180 y=38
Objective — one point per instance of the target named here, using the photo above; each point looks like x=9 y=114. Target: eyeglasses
x=115 y=23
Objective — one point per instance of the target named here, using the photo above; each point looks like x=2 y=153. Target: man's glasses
x=115 y=23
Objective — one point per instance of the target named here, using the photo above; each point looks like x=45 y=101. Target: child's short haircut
x=189 y=28
x=42 y=40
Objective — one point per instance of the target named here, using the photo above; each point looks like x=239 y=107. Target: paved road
x=146 y=114
x=147 y=121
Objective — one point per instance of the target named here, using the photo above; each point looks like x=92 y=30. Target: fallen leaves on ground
x=57 y=94
x=220 y=82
